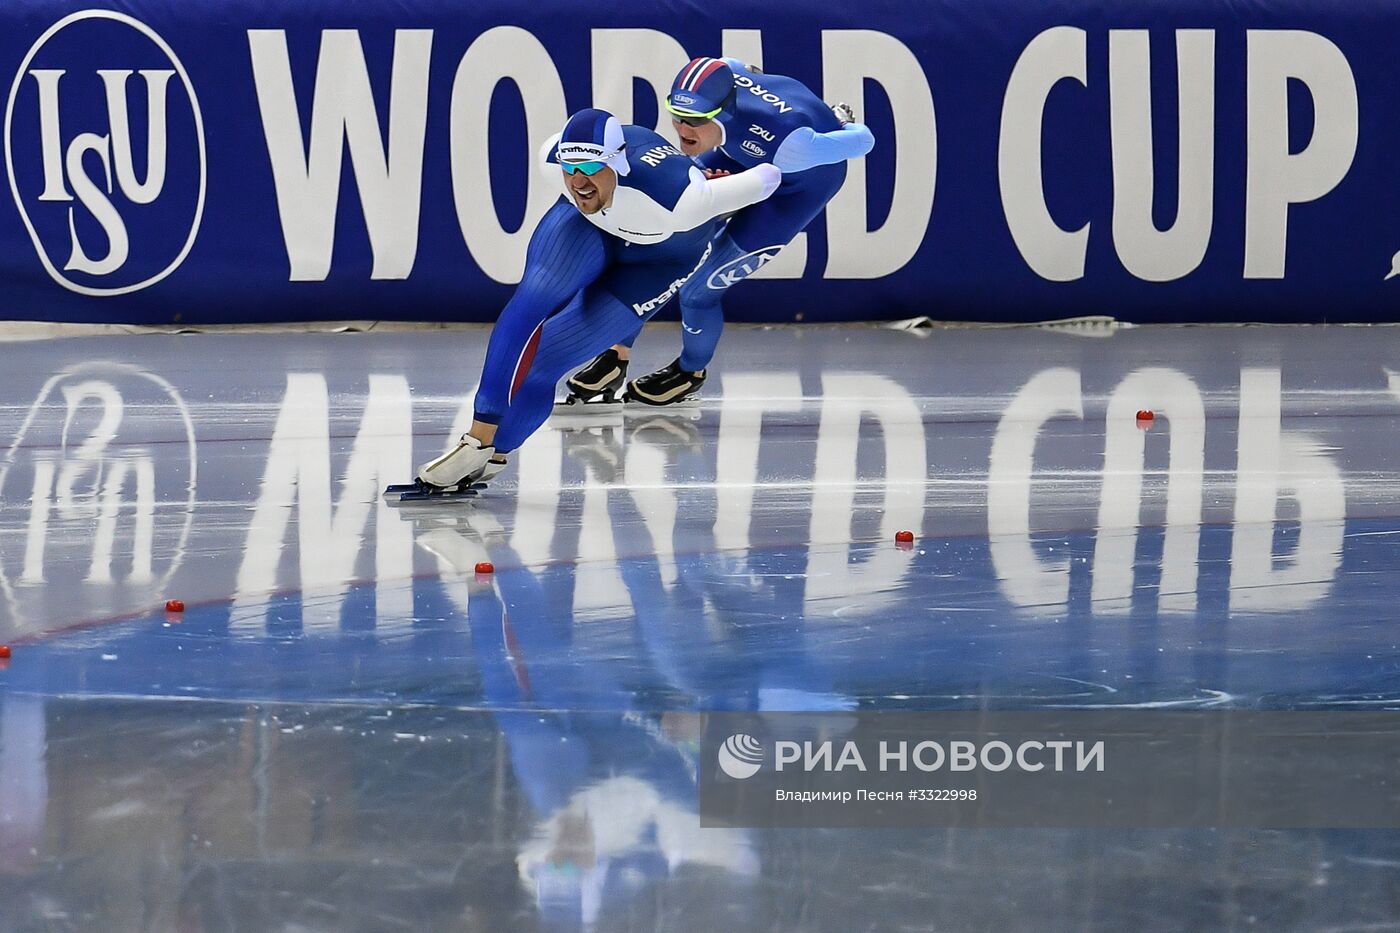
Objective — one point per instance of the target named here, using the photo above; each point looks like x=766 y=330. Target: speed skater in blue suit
x=636 y=220
x=732 y=118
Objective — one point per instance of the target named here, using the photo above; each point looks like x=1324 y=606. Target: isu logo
x=100 y=226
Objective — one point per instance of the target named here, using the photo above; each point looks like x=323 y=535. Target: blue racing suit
x=592 y=281
x=774 y=120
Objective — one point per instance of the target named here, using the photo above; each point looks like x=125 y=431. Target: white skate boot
x=460 y=466
x=458 y=474
x=490 y=471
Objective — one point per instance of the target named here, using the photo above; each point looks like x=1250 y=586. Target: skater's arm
x=708 y=198
x=805 y=148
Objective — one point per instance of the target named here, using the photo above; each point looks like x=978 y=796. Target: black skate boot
x=669 y=386
x=598 y=383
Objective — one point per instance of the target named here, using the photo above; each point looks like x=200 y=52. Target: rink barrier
x=242 y=160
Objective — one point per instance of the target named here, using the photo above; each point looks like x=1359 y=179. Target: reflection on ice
x=105 y=463
x=790 y=457
x=1273 y=466
x=297 y=474
x=1274 y=463
x=349 y=728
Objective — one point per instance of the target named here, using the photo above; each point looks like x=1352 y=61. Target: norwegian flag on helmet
x=702 y=85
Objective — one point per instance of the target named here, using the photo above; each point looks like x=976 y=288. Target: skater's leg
x=749 y=242
x=702 y=320
x=702 y=317
x=589 y=324
x=566 y=254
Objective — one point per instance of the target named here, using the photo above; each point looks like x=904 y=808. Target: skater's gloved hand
x=844 y=112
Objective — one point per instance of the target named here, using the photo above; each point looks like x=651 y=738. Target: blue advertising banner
x=245 y=160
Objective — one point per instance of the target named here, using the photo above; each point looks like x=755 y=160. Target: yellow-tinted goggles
x=692 y=117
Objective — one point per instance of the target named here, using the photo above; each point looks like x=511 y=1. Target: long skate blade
x=573 y=415
x=456 y=495
x=572 y=408
x=418 y=490
x=438 y=496
x=689 y=407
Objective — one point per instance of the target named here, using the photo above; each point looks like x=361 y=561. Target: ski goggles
x=691 y=117
x=588 y=168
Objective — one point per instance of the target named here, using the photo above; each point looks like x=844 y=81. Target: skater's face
x=591 y=193
x=698 y=139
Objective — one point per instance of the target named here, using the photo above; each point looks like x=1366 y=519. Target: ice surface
x=348 y=729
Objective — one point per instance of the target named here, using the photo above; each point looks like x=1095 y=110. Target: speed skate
x=419 y=491
x=574 y=412
x=603 y=407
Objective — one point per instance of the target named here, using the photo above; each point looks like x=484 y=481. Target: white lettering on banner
x=505 y=52
x=1272 y=461
x=114 y=152
x=102 y=210
x=1120 y=501
x=114 y=80
x=1025 y=578
x=1051 y=251
x=330 y=539
x=1276 y=178
x=849 y=59
x=1148 y=253
x=308 y=190
x=50 y=135
x=343 y=114
x=622 y=56
x=92 y=172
